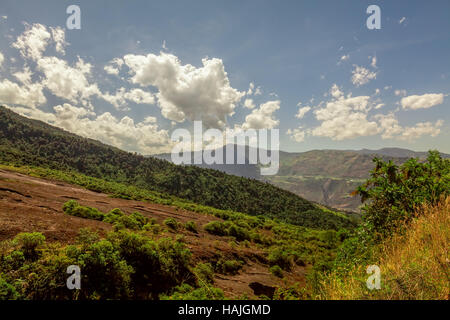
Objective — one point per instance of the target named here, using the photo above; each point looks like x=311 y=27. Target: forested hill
x=29 y=142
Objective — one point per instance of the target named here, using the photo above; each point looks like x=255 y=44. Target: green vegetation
x=124 y=265
x=405 y=231
x=191 y=226
x=171 y=223
x=72 y=208
x=276 y=271
x=26 y=142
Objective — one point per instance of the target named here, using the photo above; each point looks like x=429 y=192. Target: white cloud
x=373 y=62
x=67 y=82
x=262 y=118
x=30 y=95
x=401 y=93
x=184 y=91
x=420 y=129
x=302 y=111
x=2 y=58
x=113 y=67
x=138 y=96
x=59 y=38
x=33 y=41
x=336 y=92
x=344 y=118
x=250 y=88
x=392 y=130
x=297 y=134
x=24 y=76
x=425 y=101
x=248 y=103
x=362 y=76
x=343 y=58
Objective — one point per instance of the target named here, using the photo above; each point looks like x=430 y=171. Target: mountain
x=26 y=142
x=323 y=176
x=398 y=153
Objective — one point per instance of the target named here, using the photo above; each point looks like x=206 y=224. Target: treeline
x=26 y=142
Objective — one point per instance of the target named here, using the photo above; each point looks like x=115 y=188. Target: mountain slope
x=29 y=142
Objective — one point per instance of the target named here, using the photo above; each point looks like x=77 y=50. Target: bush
x=276 y=271
x=395 y=192
x=134 y=221
x=279 y=256
x=191 y=226
x=228 y=266
x=204 y=272
x=30 y=243
x=187 y=292
x=7 y=291
x=73 y=208
x=171 y=223
x=113 y=216
x=86 y=237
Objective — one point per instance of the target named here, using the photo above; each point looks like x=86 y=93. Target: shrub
x=113 y=216
x=395 y=192
x=30 y=243
x=187 y=292
x=276 y=271
x=216 y=227
x=87 y=237
x=191 y=226
x=228 y=266
x=204 y=272
x=7 y=291
x=279 y=256
x=171 y=223
x=72 y=208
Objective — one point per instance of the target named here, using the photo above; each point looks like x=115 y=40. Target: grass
x=414 y=265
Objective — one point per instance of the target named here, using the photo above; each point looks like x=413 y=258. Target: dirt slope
x=29 y=204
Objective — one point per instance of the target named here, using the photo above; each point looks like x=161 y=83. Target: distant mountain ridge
x=324 y=176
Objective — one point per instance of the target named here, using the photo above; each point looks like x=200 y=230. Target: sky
x=136 y=71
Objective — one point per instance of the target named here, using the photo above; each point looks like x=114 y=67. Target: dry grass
x=414 y=265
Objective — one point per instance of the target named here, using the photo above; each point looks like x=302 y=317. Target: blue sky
x=319 y=53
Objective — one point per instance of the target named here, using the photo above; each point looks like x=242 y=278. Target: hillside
x=26 y=142
x=413 y=265
x=203 y=261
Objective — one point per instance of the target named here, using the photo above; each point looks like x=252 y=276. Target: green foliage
x=7 y=291
x=228 y=266
x=204 y=273
x=276 y=271
x=191 y=226
x=73 y=208
x=228 y=228
x=393 y=193
x=113 y=216
x=171 y=223
x=280 y=257
x=187 y=292
x=29 y=243
x=86 y=237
